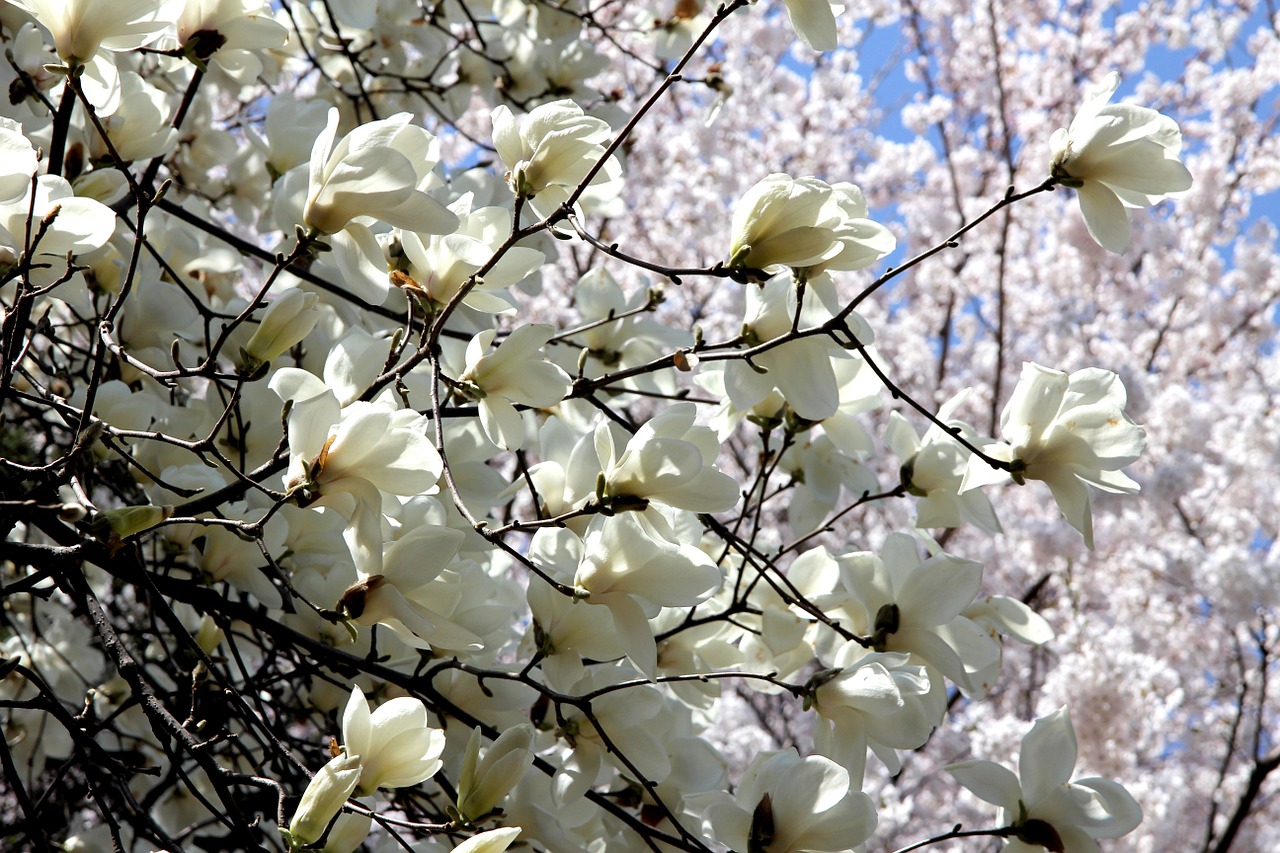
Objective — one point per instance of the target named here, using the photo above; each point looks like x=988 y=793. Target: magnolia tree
x=566 y=425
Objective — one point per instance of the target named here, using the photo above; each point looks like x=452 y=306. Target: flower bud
x=348 y=832
x=208 y=635
x=129 y=520
x=485 y=782
x=493 y=841
x=288 y=320
x=328 y=790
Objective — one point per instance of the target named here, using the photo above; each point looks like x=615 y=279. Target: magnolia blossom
x=1070 y=432
x=669 y=460
x=634 y=338
x=81 y=28
x=17 y=161
x=673 y=35
x=782 y=222
x=804 y=371
x=1003 y=616
x=1118 y=157
x=1045 y=808
x=376 y=170
x=873 y=700
x=394 y=745
x=79 y=225
x=862 y=240
x=228 y=32
x=565 y=630
x=405 y=595
x=551 y=151
x=814 y=22
x=139 y=125
x=915 y=606
x=789 y=804
x=440 y=265
x=805 y=224
x=380 y=170
x=933 y=468
x=634 y=574
x=634 y=723
x=346 y=457
x=517 y=371
x=493 y=841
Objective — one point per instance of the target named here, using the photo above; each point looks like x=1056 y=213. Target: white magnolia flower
x=933 y=468
x=81 y=28
x=348 y=832
x=439 y=265
x=395 y=746
x=632 y=339
x=669 y=460
x=814 y=21
x=789 y=804
x=915 y=606
x=873 y=700
x=805 y=224
x=821 y=470
x=228 y=32
x=1118 y=157
x=517 y=371
x=551 y=150
x=862 y=240
x=380 y=170
x=80 y=224
x=783 y=222
x=804 y=371
x=493 y=841
x=1047 y=810
x=634 y=575
x=346 y=457
x=565 y=630
x=1003 y=616
x=238 y=560
x=1068 y=431
x=17 y=161
x=406 y=596
x=635 y=723
x=291 y=127
x=139 y=125
x=672 y=35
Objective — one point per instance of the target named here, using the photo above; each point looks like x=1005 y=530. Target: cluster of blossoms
x=353 y=457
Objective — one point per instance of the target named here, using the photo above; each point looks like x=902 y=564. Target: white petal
x=357 y=727
x=814 y=22
x=1048 y=756
x=1104 y=216
x=989 y=781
